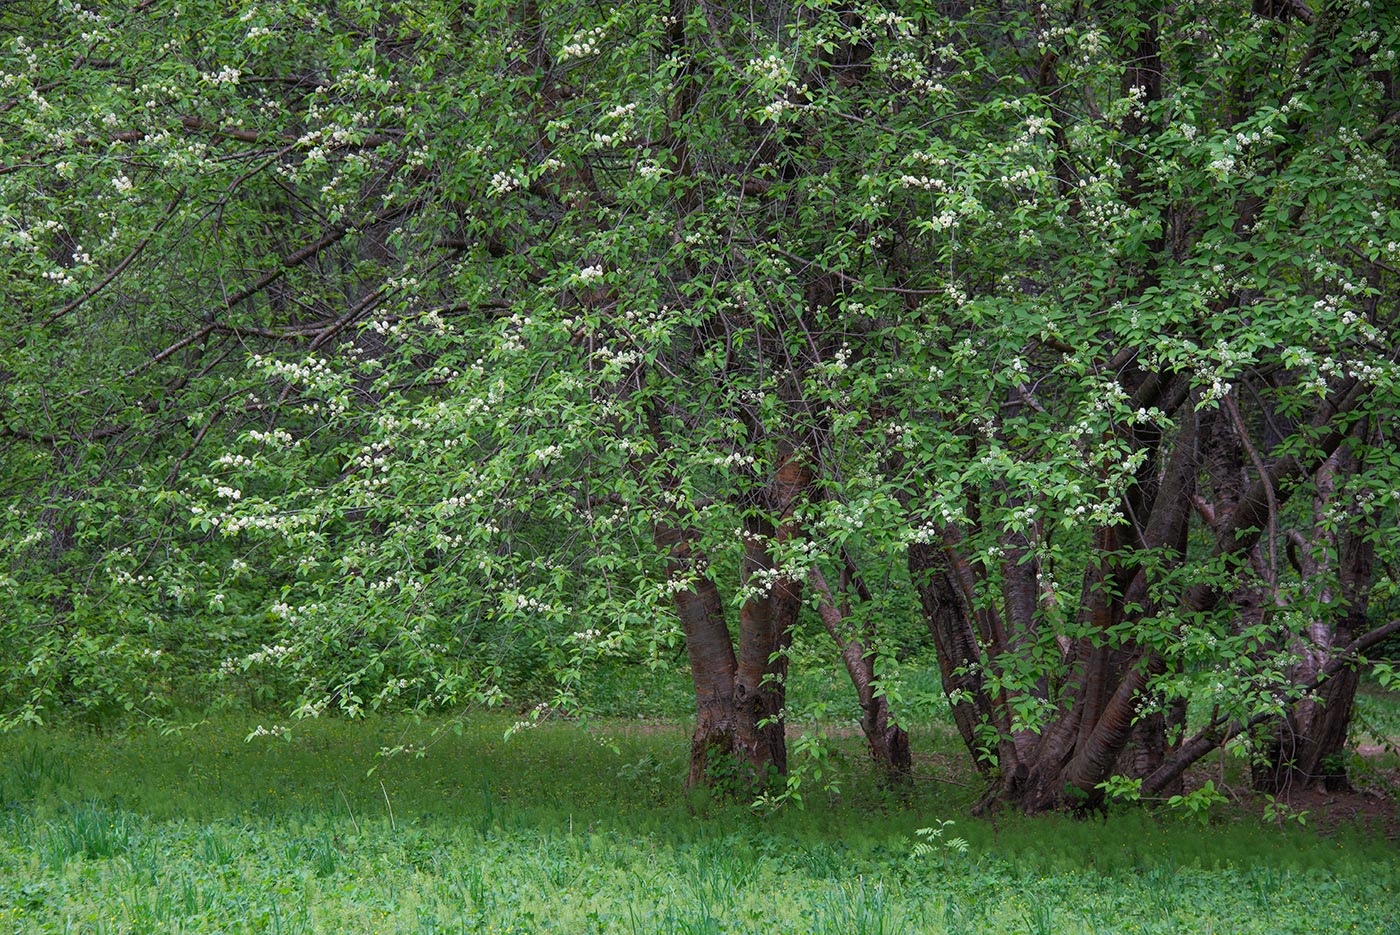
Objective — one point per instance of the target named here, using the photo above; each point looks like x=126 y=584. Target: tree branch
x=1208 y=738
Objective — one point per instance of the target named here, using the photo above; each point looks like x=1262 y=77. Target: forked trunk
x=767 y=619
x=739 y=737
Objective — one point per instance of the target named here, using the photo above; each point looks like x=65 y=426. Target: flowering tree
x=403 y=356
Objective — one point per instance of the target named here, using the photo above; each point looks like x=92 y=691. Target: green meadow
x=569 y=828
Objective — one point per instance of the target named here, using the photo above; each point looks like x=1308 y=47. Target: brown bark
x=710 y=651
x=766 y=621
x=950 y=622
x=1098 y=716
x=764 y=627
x=887 y=742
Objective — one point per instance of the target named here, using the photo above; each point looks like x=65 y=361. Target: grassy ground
x=562 y=830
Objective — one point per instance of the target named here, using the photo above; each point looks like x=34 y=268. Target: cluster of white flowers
x=924 y=182
x=452 y=504
x=674 y=498
x=387 y=326
x=226 y=75
x=502 y=183
x=620 y=360
x=1024 y=174
x=734 y=459
x=619 y=136
x=1036 y=125
x=925 y=534
x=589 y=274
x=1152 y=416
x=122 y=183
x=583 y=43
x=25 y=237
x=229 y=459
x=674 y=585
x=841 y=359
x=761 y=582
x=277 y=438
x=268 y=654
x=121 y=576
x=399 y=581
x=944 y=220
x=274 y=731
x=31 y=537
x=231 y=524
x=777 y=107
x=1107 y=393
x=312 y=370
x=771 y=69
x=442 y=540
x=743 y=535
x=522 y=602
x=1137 y=95
x=924 y=85
x=537 y=714
x=545 y=454
x=1103 y=213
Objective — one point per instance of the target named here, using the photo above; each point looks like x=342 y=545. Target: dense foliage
x=372 y=354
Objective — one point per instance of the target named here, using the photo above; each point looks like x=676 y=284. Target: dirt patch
x=1328 y=811
x=1373 y=806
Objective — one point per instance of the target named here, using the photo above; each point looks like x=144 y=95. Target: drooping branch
x=1222 y=730
x=121 y=266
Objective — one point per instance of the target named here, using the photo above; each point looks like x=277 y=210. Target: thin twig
x=348 y=809
x=390 y=805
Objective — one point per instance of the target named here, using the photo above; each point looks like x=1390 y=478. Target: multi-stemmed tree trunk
x=740 y=693
x=1096 y=708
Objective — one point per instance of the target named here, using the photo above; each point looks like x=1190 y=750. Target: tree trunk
x=739 y=697
x=949 y=617
x=711 y=654
x=887 y=742
x=766 y=621
x=1303 y=749
x=765 y=627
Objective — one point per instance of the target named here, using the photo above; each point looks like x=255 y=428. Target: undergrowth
x=569 y=830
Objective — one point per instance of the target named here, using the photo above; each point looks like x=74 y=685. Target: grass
x=572 y=831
